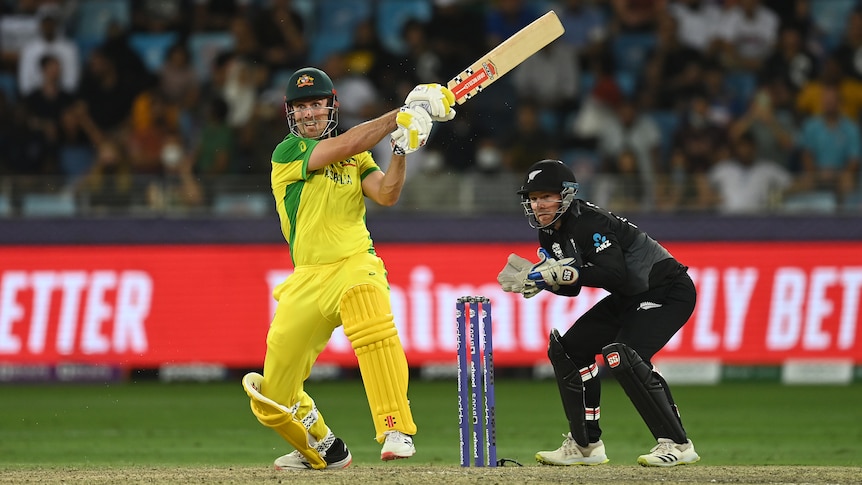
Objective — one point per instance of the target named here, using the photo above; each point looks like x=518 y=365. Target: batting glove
x=550 y=273
x=435 y=99
x=414 y=127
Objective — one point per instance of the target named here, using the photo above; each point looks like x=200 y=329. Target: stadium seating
x=821 y=202
x=630 y=51
x=204 y=47
x=48 y=205
x=740 y=84
x=667 y=122
x=9 y=86
x=153 y=47
x=830 y=18
x=393 y=14
x=93 y=17
x=337 y=21
x=235 y=204
x=5 y=205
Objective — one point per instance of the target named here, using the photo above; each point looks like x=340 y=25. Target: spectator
x=724 y=104
x=503 y=18
x=743 y=183
x=849 y=52
x=636 y=15
x=280 y=32
x=178 y=82
x=598 y=105
x=154 y=16
x=215 y=144
x=619 y=184
x=810 y=99
x=50 y=42
x=698 y=24
x=831 y=147
x=697 y=143
x=19 y=26
x=632 y=132
x=217 y=15
x=131 y=68
x=357 y=97
x=586 y=29
x=367 y=56
x=17 y=142
x=457 y=36
x=527 y=140
x=108 y=187
x=153 y=119
x=771 y=124
x=104 y=103
x=791 y=60
x=241 y=85
x=549 y=78
x=45 y=107
x=747 y=33
x=422 y=62
x=673 y=70
x=176 y=189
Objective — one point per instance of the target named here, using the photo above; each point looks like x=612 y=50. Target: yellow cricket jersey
x=323 y=212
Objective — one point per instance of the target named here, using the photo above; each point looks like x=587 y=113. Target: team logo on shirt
x=304 y=81
x=600 y=242
x=558 y=251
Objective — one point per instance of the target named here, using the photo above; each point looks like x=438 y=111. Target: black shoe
x=337 y=456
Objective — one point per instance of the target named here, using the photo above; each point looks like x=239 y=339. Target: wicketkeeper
x=651 y=298
x=320 y=182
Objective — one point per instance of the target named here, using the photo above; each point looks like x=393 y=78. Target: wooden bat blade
x=506 y=56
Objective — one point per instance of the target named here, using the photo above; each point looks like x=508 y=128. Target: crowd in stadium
x=733 y=106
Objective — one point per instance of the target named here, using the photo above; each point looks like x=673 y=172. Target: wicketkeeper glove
x=550 y=273
x=514 y=275
x=435 y=99
x=414 y=127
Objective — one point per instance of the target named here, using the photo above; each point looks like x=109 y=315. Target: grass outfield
x=50 y=433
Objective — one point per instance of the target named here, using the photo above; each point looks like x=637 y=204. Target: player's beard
x=312 y=128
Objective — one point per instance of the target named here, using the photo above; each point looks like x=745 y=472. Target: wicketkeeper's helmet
x=310 y=83
x=548 y=176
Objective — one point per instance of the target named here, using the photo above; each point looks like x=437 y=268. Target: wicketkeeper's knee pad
x=647 y=390
x=281 y=419
x=370 y=327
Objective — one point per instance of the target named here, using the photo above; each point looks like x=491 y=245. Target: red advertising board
x=143 y=306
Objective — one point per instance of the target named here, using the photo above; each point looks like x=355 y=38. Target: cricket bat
x=505 y=57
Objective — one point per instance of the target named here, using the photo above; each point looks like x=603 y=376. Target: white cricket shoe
x=668 y=453
x=571 y=453
x=397 y=445
x=337 y=456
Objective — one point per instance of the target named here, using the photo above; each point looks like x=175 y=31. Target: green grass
x=150 y=423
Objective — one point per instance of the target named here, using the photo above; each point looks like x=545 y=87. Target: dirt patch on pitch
x=449 y=475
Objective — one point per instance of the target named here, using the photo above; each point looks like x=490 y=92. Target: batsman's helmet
x=548 y=176
x=310 y=83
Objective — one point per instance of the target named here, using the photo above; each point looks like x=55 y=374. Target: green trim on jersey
x=291 y=205
x=322 y=212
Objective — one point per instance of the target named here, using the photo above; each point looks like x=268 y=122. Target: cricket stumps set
x=475 y=349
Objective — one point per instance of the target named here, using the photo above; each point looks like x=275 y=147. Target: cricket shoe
x=336 y=456
x=571 y=453
x=397 y=445
x=668 y=453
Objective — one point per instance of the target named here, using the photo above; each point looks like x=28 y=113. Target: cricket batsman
x=320 y=180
